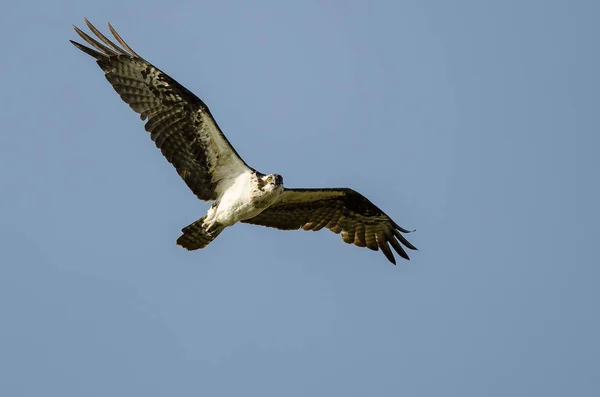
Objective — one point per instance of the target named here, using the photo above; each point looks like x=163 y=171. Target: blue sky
x=474 y=122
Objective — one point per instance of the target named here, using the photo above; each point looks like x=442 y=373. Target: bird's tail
x=195 y=236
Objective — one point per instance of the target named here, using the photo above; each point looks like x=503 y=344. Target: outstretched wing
x=179 y=123
x=343 y=211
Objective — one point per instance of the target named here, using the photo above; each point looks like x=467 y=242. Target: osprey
x=183 y=128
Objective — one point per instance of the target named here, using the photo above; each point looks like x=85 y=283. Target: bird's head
x=273 y=182
x=275 y=179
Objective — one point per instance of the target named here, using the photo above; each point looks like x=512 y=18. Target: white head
x=270 y=183
x=266 y=189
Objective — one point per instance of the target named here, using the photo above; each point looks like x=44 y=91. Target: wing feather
x=179 y=123
x=102 y=48
x=359 y=236
x=105 y=40
x=343 y=211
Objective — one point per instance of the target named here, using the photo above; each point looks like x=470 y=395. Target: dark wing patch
x=343 y=211
x=179 y=123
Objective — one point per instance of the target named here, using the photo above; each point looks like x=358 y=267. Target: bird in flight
x=183 y=128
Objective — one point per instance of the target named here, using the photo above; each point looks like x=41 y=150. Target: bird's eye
x=270 y=178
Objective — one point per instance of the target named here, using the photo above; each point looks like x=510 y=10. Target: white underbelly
x=229 y=213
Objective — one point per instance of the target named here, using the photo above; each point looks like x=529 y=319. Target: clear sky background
x=474 y=122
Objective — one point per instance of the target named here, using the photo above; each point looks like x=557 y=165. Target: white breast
x=236 y=202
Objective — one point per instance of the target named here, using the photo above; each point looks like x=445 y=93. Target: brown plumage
x=179 y=123
x=340 y=210
x=182 y=127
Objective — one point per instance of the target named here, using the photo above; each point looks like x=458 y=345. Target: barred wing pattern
x=179 y=123
x=341 y=210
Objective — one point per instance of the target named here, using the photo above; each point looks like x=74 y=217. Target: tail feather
x=196 y=237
